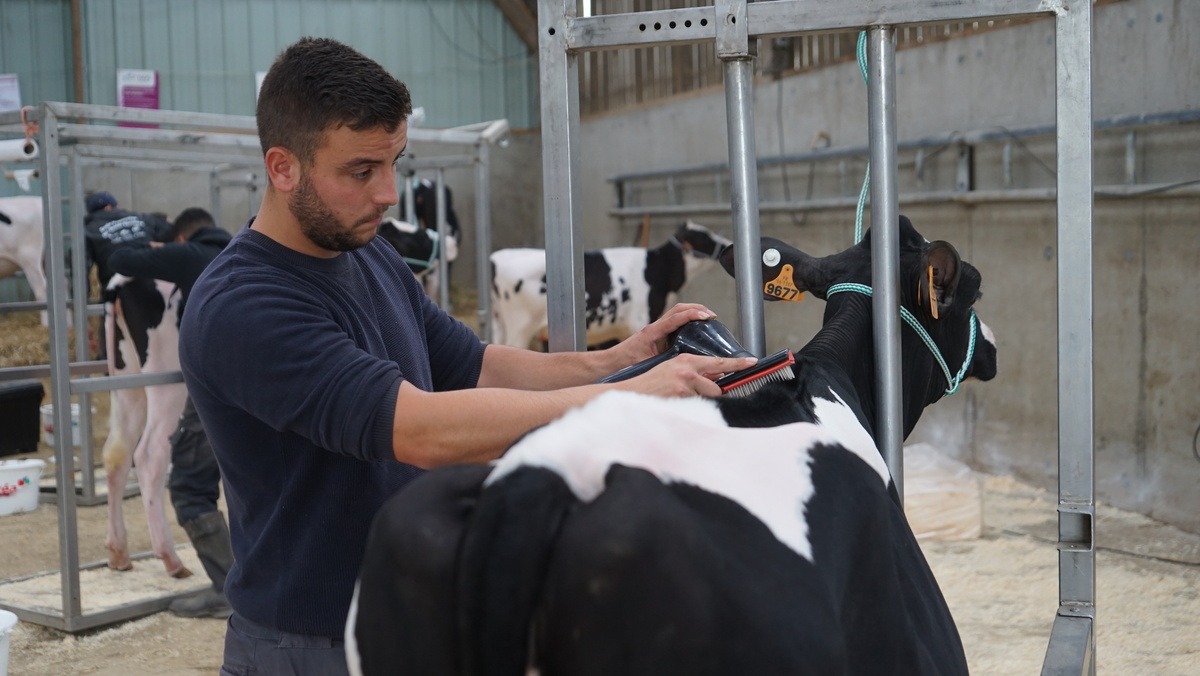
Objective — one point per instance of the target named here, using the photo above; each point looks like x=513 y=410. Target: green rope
x=427 y=264
x=861 y=51
x=953 y=381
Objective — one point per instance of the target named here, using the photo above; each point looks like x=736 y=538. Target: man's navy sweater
x=293 y=364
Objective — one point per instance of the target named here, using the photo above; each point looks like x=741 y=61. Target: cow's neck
x=846 y=345
x=665 y=275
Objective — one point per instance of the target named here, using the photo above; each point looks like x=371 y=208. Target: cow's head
x=697 y=240
x=700 y=246
x=425 y=206
x=938 y=291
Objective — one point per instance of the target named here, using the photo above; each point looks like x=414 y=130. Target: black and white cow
x=417 y=242
x=625 y=288
x=425 y=206
x=142 y=334
x=418 y=246
x=756 y=535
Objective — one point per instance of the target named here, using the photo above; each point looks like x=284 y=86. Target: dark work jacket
x=109 y=230
x=178 y=263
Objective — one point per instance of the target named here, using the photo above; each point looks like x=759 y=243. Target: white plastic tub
x=8 y=620
x=48 y=424
x=19 y=486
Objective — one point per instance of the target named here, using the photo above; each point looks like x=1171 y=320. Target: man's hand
x=652 y=339
x=687 y=375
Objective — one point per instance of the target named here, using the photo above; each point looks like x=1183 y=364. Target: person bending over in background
x=195 y=479
x=327 y=380
x=108 y=228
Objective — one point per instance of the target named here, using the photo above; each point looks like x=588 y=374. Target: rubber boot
x=210 y=536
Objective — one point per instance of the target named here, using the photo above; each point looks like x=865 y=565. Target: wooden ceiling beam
x=522 y=19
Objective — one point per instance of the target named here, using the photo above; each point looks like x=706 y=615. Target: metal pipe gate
x=186 y=136
x=732 y=25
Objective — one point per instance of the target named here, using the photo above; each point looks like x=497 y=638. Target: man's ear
x=283 y=168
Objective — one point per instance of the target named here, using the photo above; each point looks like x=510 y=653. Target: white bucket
x=19 y=486
x=48 y=424
x=8 y=620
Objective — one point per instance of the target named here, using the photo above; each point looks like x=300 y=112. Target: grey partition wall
x=75 y=135
x=733 y=25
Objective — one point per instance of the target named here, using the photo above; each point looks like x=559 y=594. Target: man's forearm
x=475 y=425
x=516 y=368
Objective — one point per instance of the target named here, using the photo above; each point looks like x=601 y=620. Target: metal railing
x=734 y=28
x=972 y=167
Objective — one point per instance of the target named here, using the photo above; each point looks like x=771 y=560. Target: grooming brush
x=772 y=368
x=711 y=338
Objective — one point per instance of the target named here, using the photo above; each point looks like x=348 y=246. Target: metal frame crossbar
x=734 y=26
x=674 y=191
x=74 y=135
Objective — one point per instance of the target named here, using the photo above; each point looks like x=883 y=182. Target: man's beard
x=318 y=222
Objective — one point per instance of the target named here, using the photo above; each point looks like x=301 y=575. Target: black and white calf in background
x=142 y=333
x=625 y=288
x=418 y=243
x=756 y=535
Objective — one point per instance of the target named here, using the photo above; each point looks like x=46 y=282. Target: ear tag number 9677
x=782 y=287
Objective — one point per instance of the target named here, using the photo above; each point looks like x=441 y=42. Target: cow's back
x=617 y=301
x=518 y=295
x=615 y=288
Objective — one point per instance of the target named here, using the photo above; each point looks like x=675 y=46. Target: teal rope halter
x=861 y=52
x=954 y=381
x=428 y=264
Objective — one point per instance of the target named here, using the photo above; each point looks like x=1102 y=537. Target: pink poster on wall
x=137 y=89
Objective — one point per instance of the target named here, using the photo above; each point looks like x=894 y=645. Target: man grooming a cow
x=327 y=380
x=195 y=479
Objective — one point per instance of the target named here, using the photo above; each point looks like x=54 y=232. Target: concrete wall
x=1147 y=318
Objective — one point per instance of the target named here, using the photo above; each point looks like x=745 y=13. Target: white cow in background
x=625 y=288
x=21 y=243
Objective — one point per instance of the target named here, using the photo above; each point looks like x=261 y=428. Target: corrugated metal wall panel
x=182 y=55
x=35 y=44
x=460 y=58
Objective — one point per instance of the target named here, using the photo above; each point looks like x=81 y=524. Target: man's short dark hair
x=318 y=84
x=189 y=221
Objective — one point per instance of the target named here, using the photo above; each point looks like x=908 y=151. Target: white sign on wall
x=10 y=92
x=137 y=89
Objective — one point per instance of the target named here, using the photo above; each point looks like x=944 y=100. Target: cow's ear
x=726 y=260
x=939 y=275
x=784 y=269
x=909 y=237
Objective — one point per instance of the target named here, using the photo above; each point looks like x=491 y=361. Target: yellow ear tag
x=932 y=295
x=782 y=287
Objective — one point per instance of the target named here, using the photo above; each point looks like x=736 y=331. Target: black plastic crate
x=20 y=420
